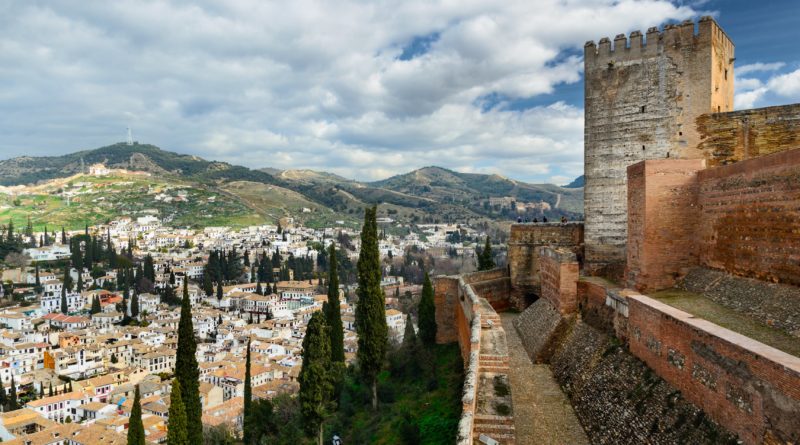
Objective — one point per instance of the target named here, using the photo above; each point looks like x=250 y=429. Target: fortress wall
x=537 y=326
x=558 y=270
x=445 y=298
x=741 y=218
x=749 y=222
x=662 y=219
x=464 y=315
x=642 y=98
x=618 y=399
x=746 y=386
x=525 y=243
x=747 y=134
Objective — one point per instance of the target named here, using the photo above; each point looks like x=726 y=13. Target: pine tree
x=177 y=433
x=13 y=403
x=186 y=370
x=316 y=386
x=371 y=307
x=427 y=314
x=334 y=315
x=248 y=399
x=135 y=425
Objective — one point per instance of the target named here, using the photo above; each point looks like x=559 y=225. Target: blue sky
x=362 y=89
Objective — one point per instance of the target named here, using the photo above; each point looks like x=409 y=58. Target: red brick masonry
x=743 y=218
x=748 y=387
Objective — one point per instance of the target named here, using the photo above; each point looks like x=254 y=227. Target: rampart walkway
x=542 y=413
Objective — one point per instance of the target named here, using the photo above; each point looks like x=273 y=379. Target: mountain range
x=430 y=194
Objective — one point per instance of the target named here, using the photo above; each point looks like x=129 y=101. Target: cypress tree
x=63 y=236
x=248 y=399
x=427 y=314
x=3 y=397
x=177 y=428
x=135 y=305
x=409 y=336
x=259 y=290
x=79 y=286
x=371 y=307
x=135 y=425
x=38 y=283
x=96 y=308
x=316 y=386
x=64 y=307
x=50 y=391
x=486 y=258
x=13 y=403
x=187 y=372
x=334 y=315
x=219 y=290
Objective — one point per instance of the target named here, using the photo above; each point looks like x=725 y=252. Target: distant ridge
x=428 y=194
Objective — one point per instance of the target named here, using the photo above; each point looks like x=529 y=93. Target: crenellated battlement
x=639 y=46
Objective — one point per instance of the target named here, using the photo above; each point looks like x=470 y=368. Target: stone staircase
x=499 y=428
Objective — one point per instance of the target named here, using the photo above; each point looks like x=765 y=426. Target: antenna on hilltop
x=130 y=136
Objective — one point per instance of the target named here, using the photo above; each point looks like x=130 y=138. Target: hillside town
x=89 y=315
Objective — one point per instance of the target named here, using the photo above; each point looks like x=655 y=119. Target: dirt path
x=542 y=413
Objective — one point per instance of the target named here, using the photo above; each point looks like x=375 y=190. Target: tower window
x=643 y=108
x=680 y=133
x=726 y=74
x=642 y=147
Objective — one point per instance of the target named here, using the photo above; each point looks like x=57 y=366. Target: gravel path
x=542 y=413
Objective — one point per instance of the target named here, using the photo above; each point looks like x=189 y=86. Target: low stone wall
x=619 y=400
x=776 y=305
x=749 y=387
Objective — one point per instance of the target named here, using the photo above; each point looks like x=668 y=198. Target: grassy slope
x=102 y=198
x=274 y=202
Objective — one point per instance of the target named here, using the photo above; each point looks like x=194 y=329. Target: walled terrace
x=692 y=364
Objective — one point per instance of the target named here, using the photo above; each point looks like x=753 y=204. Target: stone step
x=503 y=439
x=497 y=428
x=483 y=419
x=495 y=369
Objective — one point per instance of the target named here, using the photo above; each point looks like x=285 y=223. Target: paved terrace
x=542 y=413
x=705 y=308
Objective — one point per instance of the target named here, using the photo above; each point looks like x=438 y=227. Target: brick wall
x=525 y=242
x=746 y=134
x=662 y=219
x=750 y=215
x=559 y=279
x=742 y=218
x=445 y=291
x=746 y=386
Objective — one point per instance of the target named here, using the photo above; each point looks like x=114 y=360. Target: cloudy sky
x=364 y=89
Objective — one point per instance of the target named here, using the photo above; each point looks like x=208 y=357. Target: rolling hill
x=221 y=193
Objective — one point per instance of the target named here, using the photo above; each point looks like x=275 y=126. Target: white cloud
x=786 y=85
x=759 y=67
x=308 y=84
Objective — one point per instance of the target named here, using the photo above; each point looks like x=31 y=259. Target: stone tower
x=642 y=97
